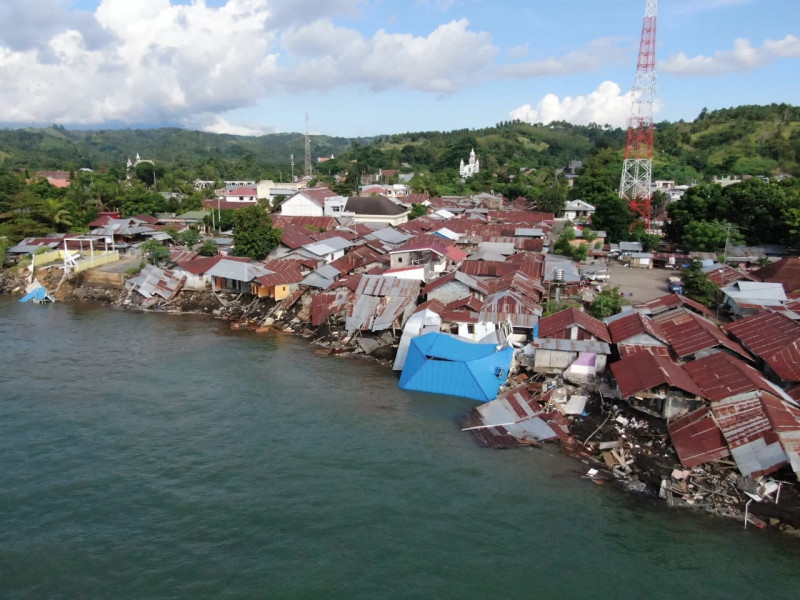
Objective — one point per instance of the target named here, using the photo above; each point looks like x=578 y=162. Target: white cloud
x=152 y=61
x=335 y=56
x=218 y=124
x=605 y=105
x=743 y=57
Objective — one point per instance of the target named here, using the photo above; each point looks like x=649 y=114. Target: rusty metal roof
x=378 y=285
x=786 y=271
x=754 y=424
x=152 y=281
x=561 y=345
x=633 y=324
x=721 y=375
x=202 y=264
x=295 y=236
x=521 y=216
x=486 y=268
x=435 y=243
x=670 y=301
x=516 y=414
x=644 y=371
x=765 y=332
x=317 y=223
x=558 y=324
x=689 y=333
x=723 y=275
x=697 y=438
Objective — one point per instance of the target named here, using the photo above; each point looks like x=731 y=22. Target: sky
x=371 y=67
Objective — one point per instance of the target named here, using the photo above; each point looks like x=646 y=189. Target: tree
x=253 y=233
x=710 y=236
x=697 y=285
x=417 y=210
x=613 y=216
x=155 y=252
x=606 y=303
x=188 y=237
x=208 y=248
x=552 y=199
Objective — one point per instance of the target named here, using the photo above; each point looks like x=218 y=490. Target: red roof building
x=573 y=324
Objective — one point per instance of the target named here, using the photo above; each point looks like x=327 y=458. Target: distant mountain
x=747 y=140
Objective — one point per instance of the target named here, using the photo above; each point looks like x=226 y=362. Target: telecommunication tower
x=308 y=150
x=637 y=170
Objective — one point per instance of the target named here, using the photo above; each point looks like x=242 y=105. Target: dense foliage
x=534 y=162
x=253 y=233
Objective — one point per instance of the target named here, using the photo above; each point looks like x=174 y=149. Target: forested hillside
x=517 y=160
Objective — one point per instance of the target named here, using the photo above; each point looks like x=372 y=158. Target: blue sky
x=366 y=67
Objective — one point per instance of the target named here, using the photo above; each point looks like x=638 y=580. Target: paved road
x=639 y=285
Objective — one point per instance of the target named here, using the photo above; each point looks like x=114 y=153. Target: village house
x=655 y=385
x=774 y=339
x=379 y=210
x=196 y=271
x=571 y=340
x=578 y=210
x=308 y=202
x=632 y=332
x=434 y=252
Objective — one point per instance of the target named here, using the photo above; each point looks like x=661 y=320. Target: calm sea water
x=162 y=456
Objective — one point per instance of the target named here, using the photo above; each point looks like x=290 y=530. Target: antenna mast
x=308 y=150
x=637 y=170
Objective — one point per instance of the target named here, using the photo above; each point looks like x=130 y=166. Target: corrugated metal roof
x=390 y=235
x=634 y=324
x=593 y=346
x=721 y=375
x=753 y=424
x=559 y=324
x=152 y=281
x=519 y=415
x=697 y=439
x=202 y=264
x=378 y=285
x=329 y=246
x=689 y=333
x=237 y=271
x=644 y=371
x=765 y=333
x=486 y=268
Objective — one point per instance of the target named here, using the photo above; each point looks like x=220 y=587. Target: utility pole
x=637 y=170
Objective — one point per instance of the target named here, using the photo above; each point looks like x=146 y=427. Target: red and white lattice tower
x=637 y=170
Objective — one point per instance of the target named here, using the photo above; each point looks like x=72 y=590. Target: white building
x=470 y=169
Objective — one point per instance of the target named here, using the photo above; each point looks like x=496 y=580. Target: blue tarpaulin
x=441 y=364
x=38 y=294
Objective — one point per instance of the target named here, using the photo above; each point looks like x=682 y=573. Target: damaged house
x=655 y=385
x=572 y=341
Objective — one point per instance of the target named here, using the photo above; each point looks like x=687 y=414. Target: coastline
x=653 y=461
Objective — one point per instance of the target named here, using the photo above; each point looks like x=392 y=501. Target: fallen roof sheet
x=697 y=438
x=644 y=371
x=753 y=424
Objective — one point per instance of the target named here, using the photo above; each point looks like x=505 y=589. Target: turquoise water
x=162 y=456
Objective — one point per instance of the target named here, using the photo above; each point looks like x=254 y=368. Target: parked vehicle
x=675 y=285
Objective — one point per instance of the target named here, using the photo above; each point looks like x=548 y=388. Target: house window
x=399 y=259
x=470 y=328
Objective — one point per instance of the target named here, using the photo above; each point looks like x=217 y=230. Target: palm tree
x=52 y=211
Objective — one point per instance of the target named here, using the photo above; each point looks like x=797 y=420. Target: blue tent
x=441 y=364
